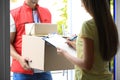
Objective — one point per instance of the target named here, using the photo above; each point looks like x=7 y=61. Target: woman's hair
x=107 y=30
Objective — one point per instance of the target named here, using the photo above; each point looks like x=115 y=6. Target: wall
x=4 y=40
x=118 y=25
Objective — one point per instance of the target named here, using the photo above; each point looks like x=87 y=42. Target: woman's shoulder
x=89 y=22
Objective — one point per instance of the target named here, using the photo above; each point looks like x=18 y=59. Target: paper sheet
x=59 y=41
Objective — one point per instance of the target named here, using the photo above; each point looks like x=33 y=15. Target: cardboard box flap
x=40 y=29
x=30 y=49
x=53 y=61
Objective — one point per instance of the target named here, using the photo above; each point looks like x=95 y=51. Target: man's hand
x=24 y=63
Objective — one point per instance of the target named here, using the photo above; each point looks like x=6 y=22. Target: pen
x=73 y=38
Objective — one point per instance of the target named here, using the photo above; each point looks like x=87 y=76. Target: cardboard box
x=40 y=29
x=44 y=54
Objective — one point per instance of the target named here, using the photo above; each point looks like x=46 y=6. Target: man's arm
x=15 y=55
x=13 y=52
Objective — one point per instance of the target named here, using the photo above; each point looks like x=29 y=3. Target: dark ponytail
x=107 y=30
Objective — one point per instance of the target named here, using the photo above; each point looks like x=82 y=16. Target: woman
x=96 y=44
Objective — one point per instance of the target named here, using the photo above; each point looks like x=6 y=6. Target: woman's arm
x=87 y=61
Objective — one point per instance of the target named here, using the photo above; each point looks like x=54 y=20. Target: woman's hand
x=71 y=43
x=60 y=51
